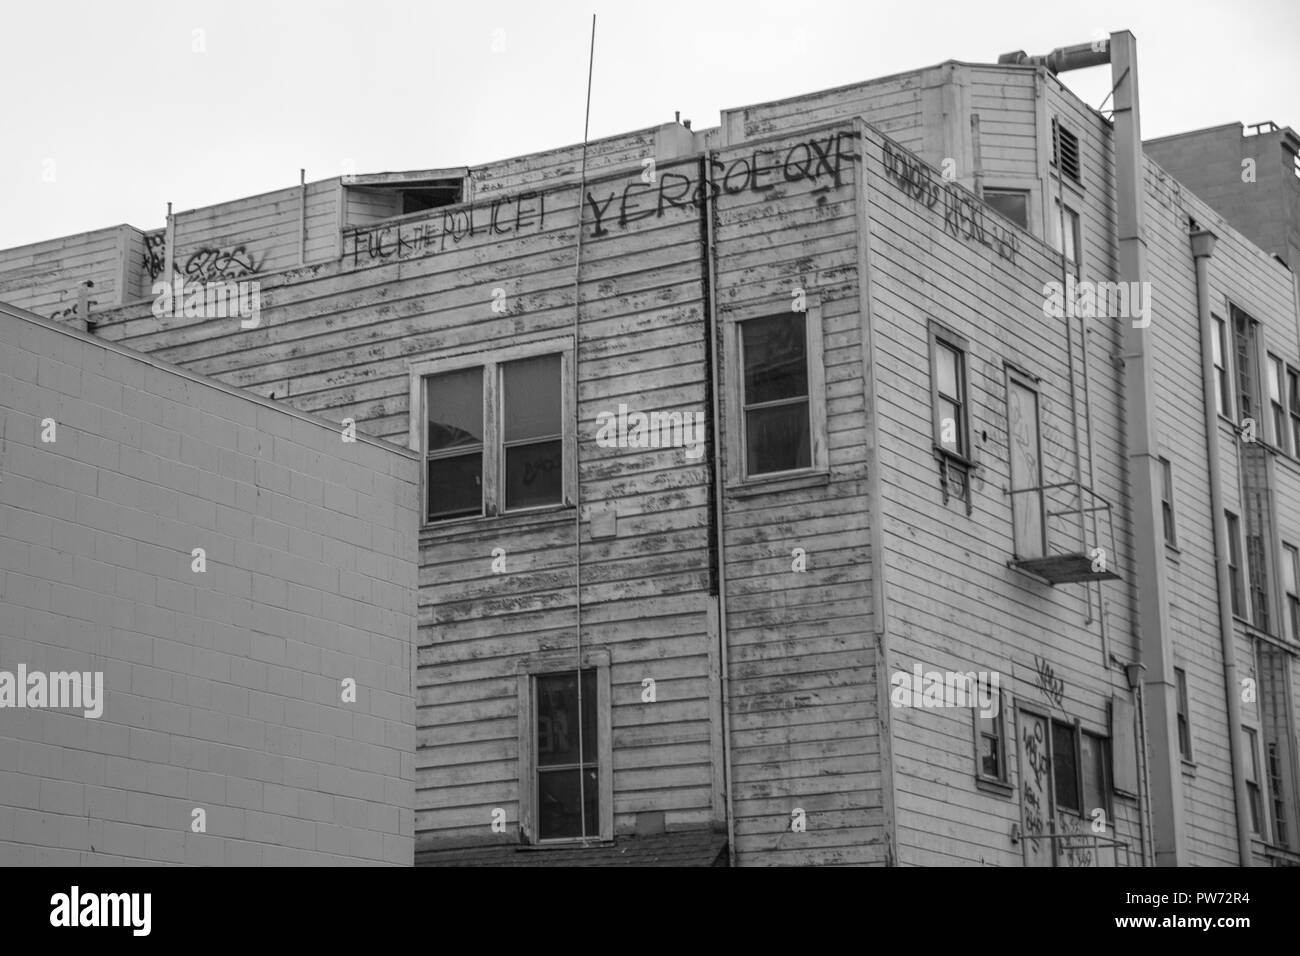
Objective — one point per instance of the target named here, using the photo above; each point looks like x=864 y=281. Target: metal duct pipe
x=1063 y=58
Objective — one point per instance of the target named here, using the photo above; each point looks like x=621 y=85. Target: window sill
x=1189 y=767
x=1173 y=553
x=953 y=458
x=995 y=787
x=503 y=521
x=572 y=843
x=782 y=482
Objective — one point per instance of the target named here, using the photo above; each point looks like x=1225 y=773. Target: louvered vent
x=1065 y=152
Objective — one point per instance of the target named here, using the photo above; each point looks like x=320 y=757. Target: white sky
x=131 y=117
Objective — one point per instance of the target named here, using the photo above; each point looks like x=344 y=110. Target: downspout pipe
x=1203 y=242
x=708 y=201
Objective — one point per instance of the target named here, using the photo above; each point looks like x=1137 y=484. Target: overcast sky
x=126 y=107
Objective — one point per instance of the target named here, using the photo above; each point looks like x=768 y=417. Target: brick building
x=732 y=438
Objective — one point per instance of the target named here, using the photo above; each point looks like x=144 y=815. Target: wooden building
x=726 y=440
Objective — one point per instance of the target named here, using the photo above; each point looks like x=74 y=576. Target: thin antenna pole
x=577 y=476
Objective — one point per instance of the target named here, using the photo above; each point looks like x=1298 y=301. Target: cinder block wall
x=223 y=690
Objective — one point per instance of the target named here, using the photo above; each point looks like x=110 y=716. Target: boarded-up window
x=1026 y=469
x=777 y=410
x=568 y=776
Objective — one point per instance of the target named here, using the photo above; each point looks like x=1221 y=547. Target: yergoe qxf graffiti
x=818 y=160
x=963 y=214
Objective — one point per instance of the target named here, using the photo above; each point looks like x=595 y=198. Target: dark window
x=434 y=197
x=1012 y=203
x=1243 y=335
x=1167 y=502
x=1096 y=788
x=1273 y=762
x=454 y=443
x=1293 y=396
x=1250 y=742
x=1065 y=766
x=1184 y=721
x=532 y=441
x=1065 y=151
x=1234 y=563
x=991 y=744
x=1066 y=236
x=1277 y=403
x=568 y=778
x=778 y=432
x=950 y=414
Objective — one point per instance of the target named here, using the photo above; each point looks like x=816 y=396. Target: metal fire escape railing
x=1087 y=850
x=1069 y=556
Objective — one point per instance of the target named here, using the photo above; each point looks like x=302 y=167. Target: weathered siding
x=47 y=277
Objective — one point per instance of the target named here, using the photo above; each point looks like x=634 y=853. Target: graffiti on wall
x=1035 y=772
x=819 y=161
x=1052 y=687
x=964 y=216
x=72 y=312
x=155 y=254
x=210 y=264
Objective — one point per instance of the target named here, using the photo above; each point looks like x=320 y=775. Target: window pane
x=1064 y=768
x=557 y=718
x=1288 y=569
x=534 y=474
x=990 y=757
x=945 y=371
x=1012 y=204
x=778 y=438
x=776 y=358
x=1071 y=233
x=455 y=486
x=532 y=398
x=454 y=401
x=1275 y=379
x=1094 y=773
x=558 y=803
x=951 y=435
x=1293 y=383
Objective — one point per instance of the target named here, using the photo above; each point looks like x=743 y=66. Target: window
x=1184 y=721
x=1094 y=761
x=1244 y=330
x=1291 y=584
x=1250 y=743
x=1281 y=422
x=1273 y=672
x=1234 y=563
x=780 y=393
x=991 y=745
x=1293 y=397
x=1012 y=203
x=1026 y=453
x=1065 y=767
x=1223 y=390
x=1066 y=236
x=1167 y=502
x=777 y=432
x=1065 y=151
x=565 y=750
x=494 y=431
x=949 y=412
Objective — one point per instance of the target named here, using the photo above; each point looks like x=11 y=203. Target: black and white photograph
x=679 y=435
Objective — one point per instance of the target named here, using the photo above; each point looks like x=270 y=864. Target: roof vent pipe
x=1064 y=58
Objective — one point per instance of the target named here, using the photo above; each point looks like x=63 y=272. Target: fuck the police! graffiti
x=819 y=161
x=963 y=214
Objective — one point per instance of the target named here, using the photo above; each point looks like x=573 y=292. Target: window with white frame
x=1293 y=407
x=494 y=429
x=565 y=749
x=1291 y=586
x=1223 y=385
x=1277 y=402
x=779 y=393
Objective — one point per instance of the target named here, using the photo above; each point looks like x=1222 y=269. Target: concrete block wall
x=222 y=690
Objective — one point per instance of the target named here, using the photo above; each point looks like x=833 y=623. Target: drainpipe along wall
x=709 y=257
x=1202 y=250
